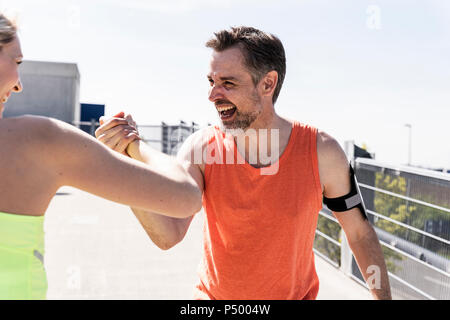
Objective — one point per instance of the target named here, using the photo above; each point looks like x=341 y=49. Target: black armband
x=351 y=200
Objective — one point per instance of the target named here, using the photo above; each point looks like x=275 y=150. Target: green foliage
x=390 y=206
x=391 y=258
x=394 y=208
x=408 y=212
x=418 y=220
x=324 y=246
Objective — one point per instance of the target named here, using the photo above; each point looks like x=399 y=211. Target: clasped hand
x=117 y=132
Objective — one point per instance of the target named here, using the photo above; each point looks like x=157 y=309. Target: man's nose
x=18 y=87
x=214 y=93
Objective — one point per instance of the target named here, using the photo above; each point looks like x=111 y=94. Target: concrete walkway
x=96 y=249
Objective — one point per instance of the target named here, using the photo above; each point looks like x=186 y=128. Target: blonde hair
x=8 y=30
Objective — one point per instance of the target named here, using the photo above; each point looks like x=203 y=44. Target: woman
x=39 y=155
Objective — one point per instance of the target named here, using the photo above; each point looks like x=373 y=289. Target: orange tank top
x=259 y=229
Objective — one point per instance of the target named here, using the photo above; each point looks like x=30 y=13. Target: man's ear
x=269 y=83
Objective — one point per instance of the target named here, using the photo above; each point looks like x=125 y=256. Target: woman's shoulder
x=22 y=123
x=27 y=125
x=26 y=132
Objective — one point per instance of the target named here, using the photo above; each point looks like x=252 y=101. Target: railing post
x=180 y=128
x=349 y=149
x=164 y=138
x=346 y=252
x=93 y=122
x=346 y=255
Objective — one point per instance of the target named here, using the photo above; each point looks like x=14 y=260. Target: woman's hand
x=117 y=132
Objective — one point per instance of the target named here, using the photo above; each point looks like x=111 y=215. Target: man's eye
x=19 y=62
x=228 y=83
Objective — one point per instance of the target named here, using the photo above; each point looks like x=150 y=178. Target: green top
x=22 y=273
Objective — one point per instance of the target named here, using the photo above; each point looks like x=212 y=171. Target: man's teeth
x=221 y=109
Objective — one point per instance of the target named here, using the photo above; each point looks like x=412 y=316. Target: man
x=260 y=215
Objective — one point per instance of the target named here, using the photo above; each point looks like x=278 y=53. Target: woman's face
x=10 y=58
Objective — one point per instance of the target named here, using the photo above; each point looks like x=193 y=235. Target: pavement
x=96 y=249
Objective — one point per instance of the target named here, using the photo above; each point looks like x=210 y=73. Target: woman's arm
x=84 y=163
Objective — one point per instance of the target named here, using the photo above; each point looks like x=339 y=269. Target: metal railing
x=418 y=268
x=164 y=137
x=87 y=126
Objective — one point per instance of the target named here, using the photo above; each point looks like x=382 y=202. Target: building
x=50 y=89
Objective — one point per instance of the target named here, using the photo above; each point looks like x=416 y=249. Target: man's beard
x=242 y=121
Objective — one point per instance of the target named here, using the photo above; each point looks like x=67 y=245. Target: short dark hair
x=263 y=52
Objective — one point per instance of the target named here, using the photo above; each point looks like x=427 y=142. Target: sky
x=359 y=70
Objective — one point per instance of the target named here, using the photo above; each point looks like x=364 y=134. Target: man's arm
x=363 y=241
x=164 y=231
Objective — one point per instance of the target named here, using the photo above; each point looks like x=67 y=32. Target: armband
x=351 y=200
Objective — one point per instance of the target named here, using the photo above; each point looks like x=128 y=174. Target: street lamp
x=409 y=143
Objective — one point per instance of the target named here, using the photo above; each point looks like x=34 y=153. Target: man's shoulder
x=330 y=153
x=333 y=162
x=195 y=144
x=328 y=147
x=200 y=138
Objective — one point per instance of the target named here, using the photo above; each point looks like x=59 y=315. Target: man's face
x=232 y=90
x=10 y=58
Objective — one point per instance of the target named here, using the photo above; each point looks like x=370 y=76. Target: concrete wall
x=49 y=89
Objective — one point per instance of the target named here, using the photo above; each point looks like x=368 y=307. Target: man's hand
x=117 y=132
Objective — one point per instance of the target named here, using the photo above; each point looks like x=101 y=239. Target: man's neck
x=269 y=130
